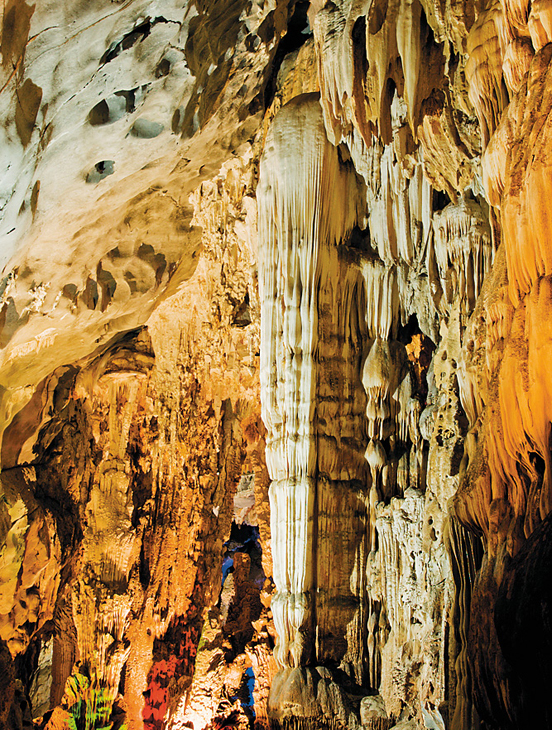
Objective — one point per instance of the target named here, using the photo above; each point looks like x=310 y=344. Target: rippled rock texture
x=274 y=364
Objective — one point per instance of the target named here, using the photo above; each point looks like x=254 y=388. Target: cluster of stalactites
x=486 y=48
x=505 y=389
x=463 y=251
x=364 y=54
x=505 y=392
x=390 y=420
x=400 y=208
x=501 y=46
x=517 y=178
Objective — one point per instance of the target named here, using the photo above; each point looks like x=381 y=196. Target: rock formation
x=274 y=364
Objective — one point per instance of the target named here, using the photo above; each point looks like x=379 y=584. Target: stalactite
x=463 y=251
x=486 y=47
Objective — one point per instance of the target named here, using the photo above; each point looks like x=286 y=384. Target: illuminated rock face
x=451 y=361
x=363 y=449
x=275 y=307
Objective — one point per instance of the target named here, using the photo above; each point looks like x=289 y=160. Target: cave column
x=308 y=203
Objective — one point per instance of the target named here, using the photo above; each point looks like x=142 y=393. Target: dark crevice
x=408 y=330
x=419 y=349
x=456 y=457
x=241 y=316
x=440 y=200
x=131 y=281
x=101 y=170
x=388 y=95
x=426 y=32
x=90 y=294
x=244 y=538
x=358 y=36
x=163 y=68
x=376 y=16
x=360 y=240
x=360 y=70
x=116 y=106
x=70 y=291
x=107 y=285
x=298 y=32
x=136 y=35
x=158 y=262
